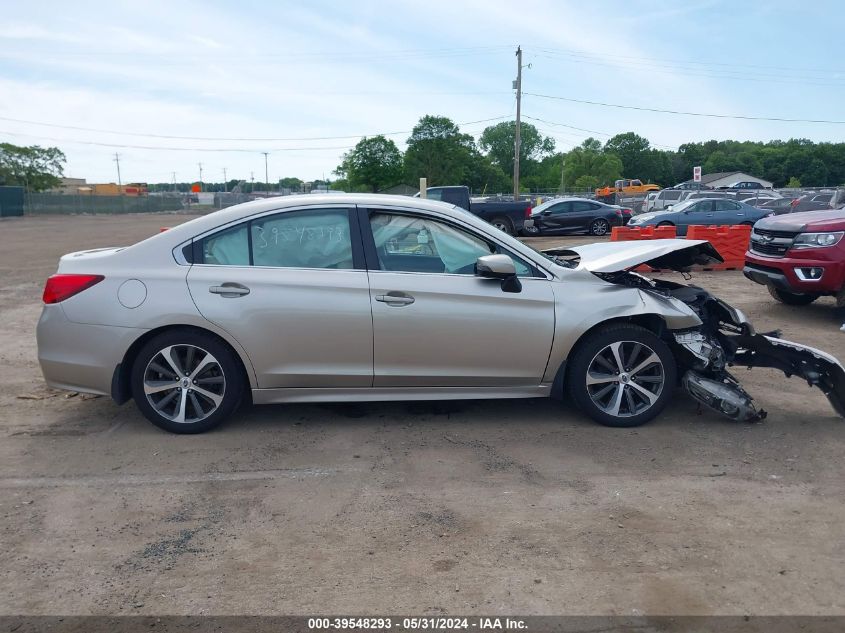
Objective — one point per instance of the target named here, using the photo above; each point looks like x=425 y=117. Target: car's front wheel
x=622 y=375
x=185 y=381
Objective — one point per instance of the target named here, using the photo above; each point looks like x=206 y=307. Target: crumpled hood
x=611 y=257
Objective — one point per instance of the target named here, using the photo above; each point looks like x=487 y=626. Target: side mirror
x=499 y=267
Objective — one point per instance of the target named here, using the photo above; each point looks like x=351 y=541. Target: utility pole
x=225 y=182
x=200 y=166
x=117 y=161
x=518 y=86
x=266 y=177
x=174 y=182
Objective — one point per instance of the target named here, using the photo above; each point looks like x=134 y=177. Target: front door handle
x=395 y=299
x=229 y=290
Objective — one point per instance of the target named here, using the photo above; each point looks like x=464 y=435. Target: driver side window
x=408 y=243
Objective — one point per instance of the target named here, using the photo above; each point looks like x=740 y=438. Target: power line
x=681 y=112
x=732 y=64
x=221 y=138
x=387 y=55
x=698 y=72
x=581 y=129
x=173 y=149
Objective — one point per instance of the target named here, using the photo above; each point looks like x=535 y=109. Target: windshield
x=684 y=205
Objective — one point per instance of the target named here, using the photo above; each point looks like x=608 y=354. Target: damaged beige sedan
x=370 y=297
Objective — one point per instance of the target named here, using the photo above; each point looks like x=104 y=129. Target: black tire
x=792 y=298
x=530 y=232
x=665 y=223
x=658 y=378
x=599 y=227
x=221 y=379
x=503 y=224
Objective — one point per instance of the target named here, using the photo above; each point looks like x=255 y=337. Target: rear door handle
x=229 y=290
x=395 y=299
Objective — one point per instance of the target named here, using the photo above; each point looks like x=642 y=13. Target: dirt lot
x=441 y=508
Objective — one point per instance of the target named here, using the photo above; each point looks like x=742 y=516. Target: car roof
x=280 y=203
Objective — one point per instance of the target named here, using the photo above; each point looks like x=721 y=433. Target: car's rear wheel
x=792 y=298
x=599 y=227
x=664 y=223
x=186 y=381
x=622 y=375
x=503 y=224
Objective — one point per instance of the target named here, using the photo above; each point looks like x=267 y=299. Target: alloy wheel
x=625 y=378
x=184 y=383
x=599 y=227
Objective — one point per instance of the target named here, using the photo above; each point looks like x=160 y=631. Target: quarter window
x=229 y=247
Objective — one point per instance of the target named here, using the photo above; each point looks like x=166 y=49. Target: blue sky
x=294 y=75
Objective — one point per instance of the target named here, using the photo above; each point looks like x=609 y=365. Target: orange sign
x=195 y=188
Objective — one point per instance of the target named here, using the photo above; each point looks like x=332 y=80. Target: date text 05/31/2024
x=417 y=624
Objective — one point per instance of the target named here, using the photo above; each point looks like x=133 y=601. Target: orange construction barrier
x=730 y=241
x=736 y=246
x=624 y=233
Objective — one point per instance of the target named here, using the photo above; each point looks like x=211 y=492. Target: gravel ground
x=479 y=507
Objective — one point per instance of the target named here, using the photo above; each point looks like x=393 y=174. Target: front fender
x=607 y=302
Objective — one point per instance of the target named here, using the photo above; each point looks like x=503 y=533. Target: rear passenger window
x=671 y=195
x=303 y=239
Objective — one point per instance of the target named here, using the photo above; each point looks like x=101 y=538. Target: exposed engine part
x=725 y=397
x=707 y=352
x=727 y=338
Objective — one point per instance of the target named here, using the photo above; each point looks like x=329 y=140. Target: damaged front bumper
x=727 y=339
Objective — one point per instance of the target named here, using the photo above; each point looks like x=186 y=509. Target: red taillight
x=794 y=203
x=61 y=287
x=619 y=212
x=527 y=212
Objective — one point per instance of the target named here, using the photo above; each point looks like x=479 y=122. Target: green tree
x=499 y=141
x=373 y=164
x=793 y=183
x=588 y=160
x=291 y=182
x=34 y=167
x=438 y=151
x=638 y=159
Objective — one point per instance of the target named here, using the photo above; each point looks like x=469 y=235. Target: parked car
x=668 y=197
x=626 y=187
x=505 y=215
x=778 y=205
x=745 y=184
x=712 y=195
x=574 y=215
x=648 y=201
x=759 y=195
x=706 y=211
x=691 y=186
x=373 y=297
x=799 y=257
x=627 y=212
x=822 y=200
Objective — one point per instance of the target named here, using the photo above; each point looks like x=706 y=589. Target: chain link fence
x=51 y=203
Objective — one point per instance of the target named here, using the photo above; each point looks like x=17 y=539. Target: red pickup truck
x=799 y=256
